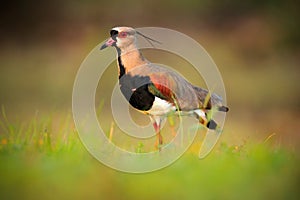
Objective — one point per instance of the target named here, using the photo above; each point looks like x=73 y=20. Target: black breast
x=135 y=90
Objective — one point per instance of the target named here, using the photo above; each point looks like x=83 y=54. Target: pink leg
x=159 y=139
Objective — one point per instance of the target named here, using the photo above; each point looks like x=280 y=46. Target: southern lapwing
x=156 y=90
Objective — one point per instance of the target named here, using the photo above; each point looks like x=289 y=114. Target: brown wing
x=169 y=85
x=173 y=87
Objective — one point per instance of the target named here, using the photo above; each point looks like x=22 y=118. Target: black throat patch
x=121 y=65
x=135 y=88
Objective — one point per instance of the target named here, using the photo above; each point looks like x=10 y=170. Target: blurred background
x=255 y=44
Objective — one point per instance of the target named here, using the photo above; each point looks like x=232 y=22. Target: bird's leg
x=173 y=132
x=172 y=125
x=201 y=116
x=206 y=121
x=159 y=139
x=203 y=121
x=211 y=124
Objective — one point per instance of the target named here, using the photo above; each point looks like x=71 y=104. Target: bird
x=156 y=90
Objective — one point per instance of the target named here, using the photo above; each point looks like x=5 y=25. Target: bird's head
x=120 y=37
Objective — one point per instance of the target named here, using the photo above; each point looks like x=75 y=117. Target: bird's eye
x=123 y=34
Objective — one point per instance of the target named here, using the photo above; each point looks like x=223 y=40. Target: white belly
x=160 y=107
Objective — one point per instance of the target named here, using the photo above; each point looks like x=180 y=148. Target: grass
x=44 y=159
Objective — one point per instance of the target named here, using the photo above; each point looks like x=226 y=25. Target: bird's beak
x=108 y=43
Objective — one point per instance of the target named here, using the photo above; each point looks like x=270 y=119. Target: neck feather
x=129 y=58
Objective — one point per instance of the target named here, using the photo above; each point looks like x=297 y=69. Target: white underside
x=200 y=113
x=162 y=107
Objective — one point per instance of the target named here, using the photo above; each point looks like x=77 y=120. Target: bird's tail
x=205 y=117
x=210 y=100
x=223 y=108
x=212 y=124
x=205 y=120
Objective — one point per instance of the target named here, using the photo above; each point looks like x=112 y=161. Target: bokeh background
x=255 y=44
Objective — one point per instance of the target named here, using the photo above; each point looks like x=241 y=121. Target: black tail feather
x=223 y=108
x=212 y=125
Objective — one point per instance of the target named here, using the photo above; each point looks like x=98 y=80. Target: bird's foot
x=158 y=142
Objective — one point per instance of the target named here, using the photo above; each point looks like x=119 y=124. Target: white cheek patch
x=118 y=43
x=161 y=107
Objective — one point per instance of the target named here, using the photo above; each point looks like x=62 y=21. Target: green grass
x=44 y=159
